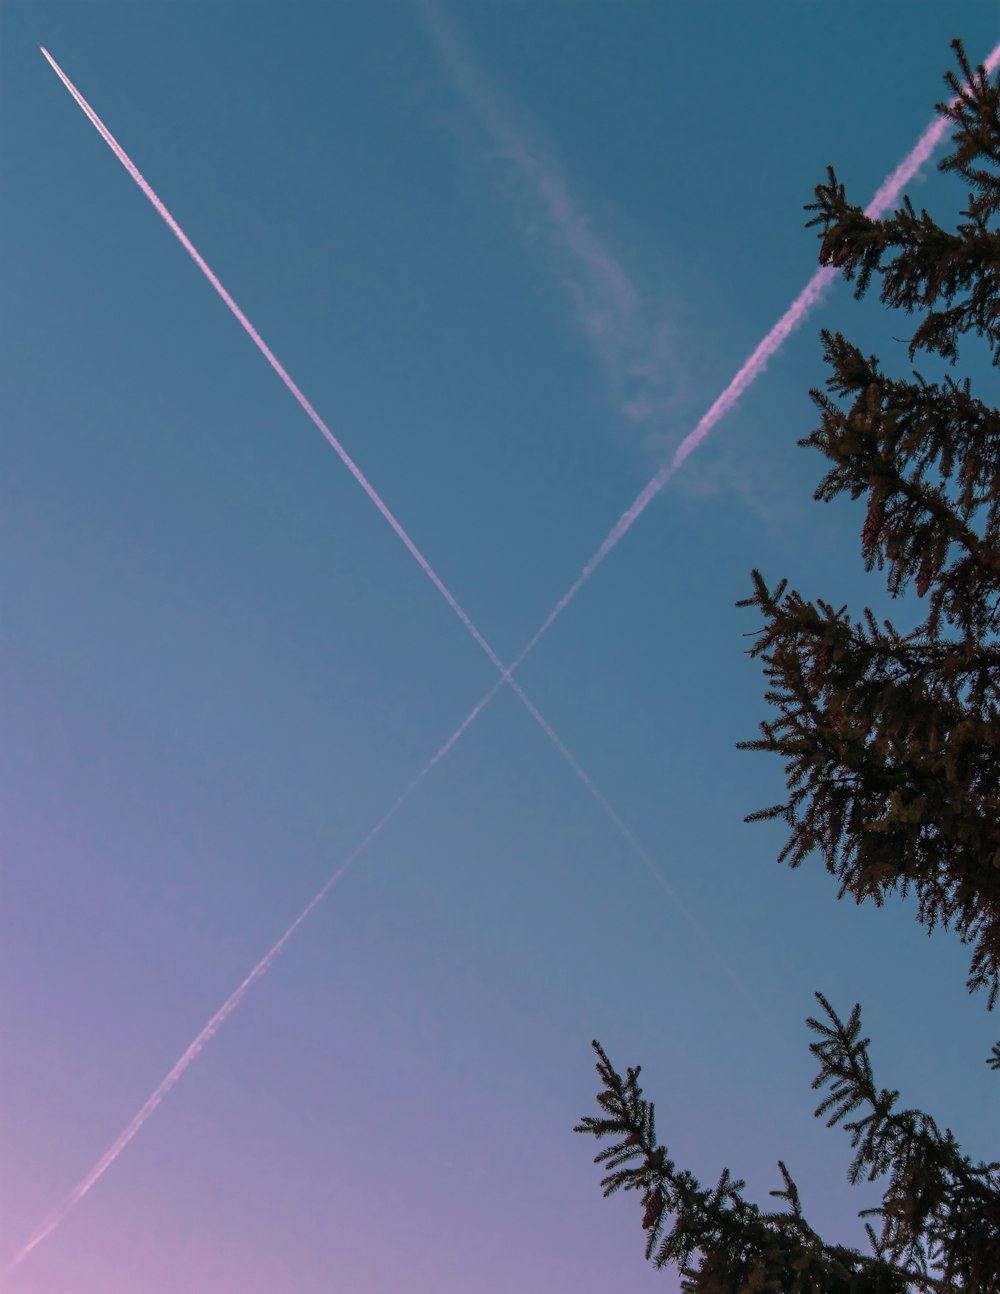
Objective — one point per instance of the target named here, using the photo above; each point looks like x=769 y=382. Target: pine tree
x=892 y=750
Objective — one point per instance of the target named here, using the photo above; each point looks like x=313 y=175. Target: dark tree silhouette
x=892 y=750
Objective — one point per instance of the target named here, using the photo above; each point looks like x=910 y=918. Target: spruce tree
x=892 y=750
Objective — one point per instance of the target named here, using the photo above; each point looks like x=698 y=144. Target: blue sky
x=510 y=285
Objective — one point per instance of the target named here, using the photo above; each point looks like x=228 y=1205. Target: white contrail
x=886 y=195
x=266 y=351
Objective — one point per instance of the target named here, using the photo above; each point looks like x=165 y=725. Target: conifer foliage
x=892 y=750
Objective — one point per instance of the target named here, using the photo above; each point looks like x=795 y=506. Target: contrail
x=885 y=196
x=266 y=351
x=134 y=1127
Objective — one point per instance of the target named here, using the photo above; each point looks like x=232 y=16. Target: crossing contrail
x=886 y=195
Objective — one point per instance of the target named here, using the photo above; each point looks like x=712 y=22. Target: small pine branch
x=932 y=267
x=892 y=761
x=719 y=1240
x=938 y=1204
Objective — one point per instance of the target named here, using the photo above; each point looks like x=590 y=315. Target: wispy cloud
x=629 y=335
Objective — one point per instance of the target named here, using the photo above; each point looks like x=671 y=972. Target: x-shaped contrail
x=754 y=365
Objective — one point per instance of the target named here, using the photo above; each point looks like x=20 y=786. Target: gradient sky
x=511 y=252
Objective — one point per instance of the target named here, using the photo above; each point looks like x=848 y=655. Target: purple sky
x=486 y=242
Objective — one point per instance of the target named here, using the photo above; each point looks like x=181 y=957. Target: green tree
x=892 y=750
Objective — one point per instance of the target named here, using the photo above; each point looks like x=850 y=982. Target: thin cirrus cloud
x=632 y=345
x=884 y=198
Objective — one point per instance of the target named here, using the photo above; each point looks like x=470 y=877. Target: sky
x=510 y=252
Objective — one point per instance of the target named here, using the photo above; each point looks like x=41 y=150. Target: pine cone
x=835 y=249
x=873 y=524
x=820 y=664
x=654 y=1209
